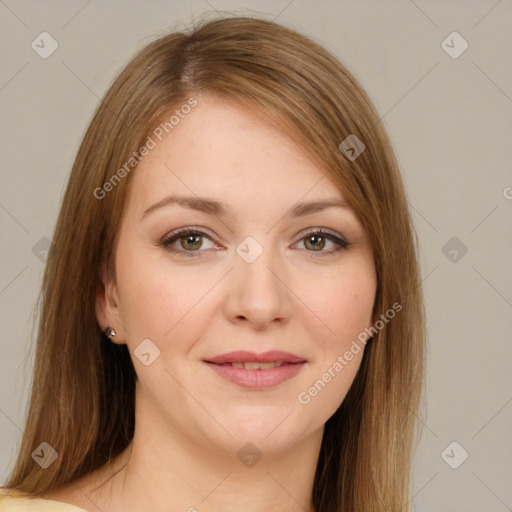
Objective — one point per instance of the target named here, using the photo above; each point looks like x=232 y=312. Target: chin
x=269 y=429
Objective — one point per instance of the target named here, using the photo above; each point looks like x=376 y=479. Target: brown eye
x=188 y=242
x=323 y=242
x=314 y=242
x=191 y=242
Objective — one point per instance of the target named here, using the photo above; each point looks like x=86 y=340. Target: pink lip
x=256 y=379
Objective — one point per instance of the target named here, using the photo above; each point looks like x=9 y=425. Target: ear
x=107 y=306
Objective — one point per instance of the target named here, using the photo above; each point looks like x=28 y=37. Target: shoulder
x=16 y=501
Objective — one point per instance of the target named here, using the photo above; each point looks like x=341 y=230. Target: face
x=238 y=302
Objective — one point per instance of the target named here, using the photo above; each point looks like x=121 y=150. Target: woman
x=231 y=312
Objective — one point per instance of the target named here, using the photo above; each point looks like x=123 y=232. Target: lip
x=256 y=379
x=240 y=356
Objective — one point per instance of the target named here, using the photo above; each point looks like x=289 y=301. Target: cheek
x=342 y=303
x=345 y=311
x=351 y=308
x=158 y=302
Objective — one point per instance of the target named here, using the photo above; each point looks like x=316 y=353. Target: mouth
x=256 y=371
x=276 y=357
x=253 y=365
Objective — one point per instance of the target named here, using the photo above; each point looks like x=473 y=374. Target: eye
x=316 y=240
x=188 y=242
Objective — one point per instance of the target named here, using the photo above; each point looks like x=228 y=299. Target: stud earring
x=109 y=332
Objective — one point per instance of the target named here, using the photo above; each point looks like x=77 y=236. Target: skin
x=190 y=423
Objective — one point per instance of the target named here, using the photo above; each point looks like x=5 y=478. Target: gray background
x=450 y=120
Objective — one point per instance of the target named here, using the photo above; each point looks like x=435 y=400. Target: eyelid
x=190 y=229
x=323 y=231
x=169 y=239
x=175 y=235
x=339 y=240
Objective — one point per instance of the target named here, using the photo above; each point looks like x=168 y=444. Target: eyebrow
x=212 y=207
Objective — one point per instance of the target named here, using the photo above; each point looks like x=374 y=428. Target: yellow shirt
x=15 y=501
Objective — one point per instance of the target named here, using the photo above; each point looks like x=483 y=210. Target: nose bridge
x=257 y=292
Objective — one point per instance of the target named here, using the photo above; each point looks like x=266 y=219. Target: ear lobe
x=106 y=306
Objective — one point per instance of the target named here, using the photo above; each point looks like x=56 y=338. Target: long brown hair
x=82 y=400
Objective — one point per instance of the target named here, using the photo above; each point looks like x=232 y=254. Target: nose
x=257 y=293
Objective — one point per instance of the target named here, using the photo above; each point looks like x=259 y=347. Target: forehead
x=223 y=150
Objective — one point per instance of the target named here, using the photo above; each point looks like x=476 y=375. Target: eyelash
x=176 y=235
